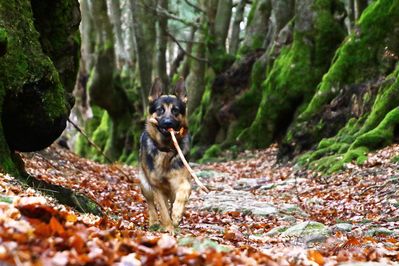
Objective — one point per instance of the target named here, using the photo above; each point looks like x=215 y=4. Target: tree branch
x=181 y=47
x=162 y=12
x=197 y=8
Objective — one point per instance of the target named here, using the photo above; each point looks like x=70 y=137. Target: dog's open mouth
x=165 y=131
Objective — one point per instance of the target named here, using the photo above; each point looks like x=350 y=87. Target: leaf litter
x=36 y=230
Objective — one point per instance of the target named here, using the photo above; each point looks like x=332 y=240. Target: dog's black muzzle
x=165 y=123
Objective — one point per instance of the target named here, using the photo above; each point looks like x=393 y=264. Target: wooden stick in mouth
x=199 y=183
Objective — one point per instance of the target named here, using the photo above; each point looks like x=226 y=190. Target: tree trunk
x=38 y=68
x=104 y=85
x=115 y=16
x=232 y=101
x=196 y=78
x=162 y=41
x=298 y=69
x=355 y=105
x=257 y=26
x=235 y=32
x=222 y=22
x=145 y=39
x=360 y=5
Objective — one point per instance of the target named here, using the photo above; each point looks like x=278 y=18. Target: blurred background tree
x=317 y=76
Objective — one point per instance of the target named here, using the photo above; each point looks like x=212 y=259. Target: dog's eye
x=175 y=111
x=160 y=110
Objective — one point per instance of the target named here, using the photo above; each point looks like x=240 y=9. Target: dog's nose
x=167 y=123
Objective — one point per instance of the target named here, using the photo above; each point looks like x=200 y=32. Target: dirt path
x=258 y=213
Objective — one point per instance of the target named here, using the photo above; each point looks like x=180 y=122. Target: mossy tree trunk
x=196 y=76
x=38 y=67
x=292 y=79
x=230 y=102
x=105 y=87
x=235 y=31
x=145 y=39
x=162 y=41
x=355 y=105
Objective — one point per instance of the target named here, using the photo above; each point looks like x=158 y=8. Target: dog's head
x=168 y=110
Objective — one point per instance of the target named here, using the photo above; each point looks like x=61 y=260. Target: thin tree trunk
x=105 y=92
x=351 y=14
x=235 y=34
x=222 y=22
x=145 y=38
x=196 y=77
x=189 y=48
x=360 y=5
x=258 y=26
x=162 y=44
x=115 y=17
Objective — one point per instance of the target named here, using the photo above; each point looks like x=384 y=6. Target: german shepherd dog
x=165 y=182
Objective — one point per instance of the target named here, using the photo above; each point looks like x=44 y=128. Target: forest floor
x=259 y=213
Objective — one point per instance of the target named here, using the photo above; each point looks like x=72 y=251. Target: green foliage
x=211 y=153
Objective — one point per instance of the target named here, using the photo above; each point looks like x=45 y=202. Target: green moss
x=101 y=137
x=211 y=153
x=294 y=76
x=58 y=25
x=3 y=41
x=248 y=101
x=358 y=58
x=82 y=146
x=359 y=136
x=252 y=12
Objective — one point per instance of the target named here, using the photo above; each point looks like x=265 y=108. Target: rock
x=237 y=200
x=264 y=211
x=306 y=229
x=293 y=209
x=289 y=218
x=209 y=174
x=250 y=183
x=342 y=227
x=290 y=181
x=213 y=227
x=379 y=231
x=268 y=186
x=276 y=231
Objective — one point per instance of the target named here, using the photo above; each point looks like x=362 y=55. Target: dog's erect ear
x=156 y=90
x=180 y=90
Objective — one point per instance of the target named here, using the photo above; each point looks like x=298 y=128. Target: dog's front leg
x=182 y=189
x=148 y=193
x=161 y=201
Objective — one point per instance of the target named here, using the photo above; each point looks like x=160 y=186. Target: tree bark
x=115 y=16
x=162 y=41
x=257 y=27
x=222 y=22
x=145 y=38
x=352 y=108
x=36 y=73
x=360 y=5
x=104 y=84
x=298 y=69
x=235 y=32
